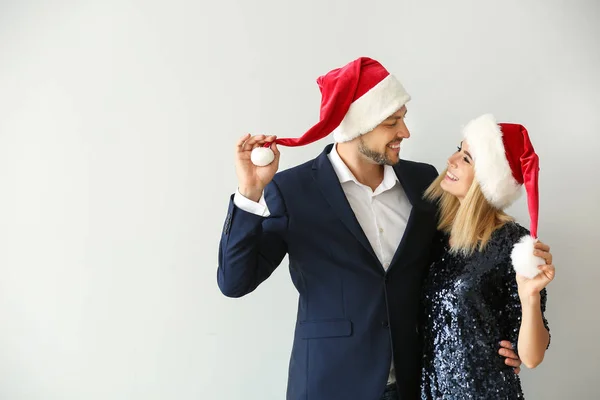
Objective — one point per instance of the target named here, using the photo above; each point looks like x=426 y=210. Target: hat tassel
x=524 y=261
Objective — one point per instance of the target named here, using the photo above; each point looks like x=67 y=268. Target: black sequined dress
x=470 y=304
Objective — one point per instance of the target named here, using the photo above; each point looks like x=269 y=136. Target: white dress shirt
x=382 y=214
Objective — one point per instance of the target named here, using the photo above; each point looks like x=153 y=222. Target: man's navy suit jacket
x=353 y=316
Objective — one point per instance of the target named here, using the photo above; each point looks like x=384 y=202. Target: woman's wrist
x=530 y=299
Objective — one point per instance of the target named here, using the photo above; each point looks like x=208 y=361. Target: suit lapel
x=420 y=209
x=330 y=186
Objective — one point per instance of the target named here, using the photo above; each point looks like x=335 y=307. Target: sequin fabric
x=470 y=304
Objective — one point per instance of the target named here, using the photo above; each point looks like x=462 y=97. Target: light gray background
x=117 y=125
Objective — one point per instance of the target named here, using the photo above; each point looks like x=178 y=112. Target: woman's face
x=460 y=173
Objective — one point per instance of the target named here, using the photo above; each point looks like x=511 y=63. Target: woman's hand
x=529 y=288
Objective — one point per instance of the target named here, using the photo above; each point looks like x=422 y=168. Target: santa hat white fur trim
x=371 y=109
x=492 y=170
x=523 y=260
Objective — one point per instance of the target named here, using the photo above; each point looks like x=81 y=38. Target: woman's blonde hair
x=470 y=223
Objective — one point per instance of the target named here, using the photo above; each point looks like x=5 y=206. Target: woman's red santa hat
x=354 y=100
x=505 y=161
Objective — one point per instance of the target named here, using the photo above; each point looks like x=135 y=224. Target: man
x=358 y=235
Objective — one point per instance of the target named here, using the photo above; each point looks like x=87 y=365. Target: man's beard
x=375 y=156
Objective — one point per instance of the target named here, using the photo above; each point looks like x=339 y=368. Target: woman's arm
x=534 y=337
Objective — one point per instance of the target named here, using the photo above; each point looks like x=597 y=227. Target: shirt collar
x=345 y=175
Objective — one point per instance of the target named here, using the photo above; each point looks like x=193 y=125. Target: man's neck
x=365 y=171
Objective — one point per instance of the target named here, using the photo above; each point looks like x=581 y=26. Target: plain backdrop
x=118 y=120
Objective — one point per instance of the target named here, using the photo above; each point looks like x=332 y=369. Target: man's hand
x=512 y=359
x=252 y=179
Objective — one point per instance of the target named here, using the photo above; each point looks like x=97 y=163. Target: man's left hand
x=512 y=359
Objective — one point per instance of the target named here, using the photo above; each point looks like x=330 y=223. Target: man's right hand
x=252 y=179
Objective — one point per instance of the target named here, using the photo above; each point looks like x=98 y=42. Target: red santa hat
x=354 y=100
x=505 y=161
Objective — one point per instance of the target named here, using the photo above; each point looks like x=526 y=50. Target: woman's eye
x=466 y=160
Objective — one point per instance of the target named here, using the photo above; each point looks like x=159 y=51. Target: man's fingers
x=506 y=344
x=507 y=350
x=240 y=143
x=250 y=143
x=267 y=139
x=512 y=363
x=262 y=140
x=273 y=145
x=275 y=150
x=508 y=353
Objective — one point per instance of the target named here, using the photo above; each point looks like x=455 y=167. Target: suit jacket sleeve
x=252 y=246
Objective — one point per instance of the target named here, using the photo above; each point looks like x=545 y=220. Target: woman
x=473 y=297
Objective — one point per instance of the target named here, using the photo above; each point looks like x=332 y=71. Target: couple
x=406 y=277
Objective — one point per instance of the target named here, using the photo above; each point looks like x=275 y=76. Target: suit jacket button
x=385 y=324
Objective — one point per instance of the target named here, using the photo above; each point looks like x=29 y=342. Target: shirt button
x=380 y=230
x=387 y=265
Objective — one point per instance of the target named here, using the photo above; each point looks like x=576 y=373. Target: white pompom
x=523 y=260
x=262 y=156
